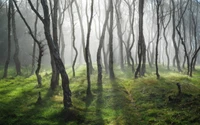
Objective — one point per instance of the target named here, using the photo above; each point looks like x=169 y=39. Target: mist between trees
x=98 y=33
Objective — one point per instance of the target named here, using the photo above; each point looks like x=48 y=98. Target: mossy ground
x=125 y=101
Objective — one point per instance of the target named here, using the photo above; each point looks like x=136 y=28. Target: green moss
x=125 y=101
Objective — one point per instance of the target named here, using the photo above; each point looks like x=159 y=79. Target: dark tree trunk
x=55 y=52
x=73 y=40
x=158 y=2
x=34 y=44
x=56 y=56
x=55 y=72
x=119 y=33
x=165 y=36
x=61 y=35
x=82 y=29
x=88 y=59
x=9 y=40
x=101 y=42
x=180 y=36
x=131 y=22
x=40 y=46
x=111 y=70
x=173 y=38
x=16 y=54
x=141 y=44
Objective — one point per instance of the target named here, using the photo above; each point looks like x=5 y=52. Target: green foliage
x=125 y=101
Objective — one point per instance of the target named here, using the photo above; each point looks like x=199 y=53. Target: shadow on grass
x=99 y=105
x=125 y=112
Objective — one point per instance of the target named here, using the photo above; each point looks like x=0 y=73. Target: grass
x=125 y=101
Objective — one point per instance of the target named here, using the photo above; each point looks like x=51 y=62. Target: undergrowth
x=124 y=101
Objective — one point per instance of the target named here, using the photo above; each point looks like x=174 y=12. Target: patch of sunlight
x=57 y=98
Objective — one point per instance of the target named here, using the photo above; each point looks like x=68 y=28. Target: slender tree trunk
x=73 y=39
x=165 y=36
x=34 y=44
x=40 y=46
x=88 y=59
x=82 y=29
x=158 y=36
x=61 y=39
x=119 y=33
x=16 y=54
x=111 y=70
x=173 y=38
x=101 y=42
x=56 y=56
x=9 y=40
x=55 y=72
x=141 y=44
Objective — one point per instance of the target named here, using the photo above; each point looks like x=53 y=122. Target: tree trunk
x=88 y=59
x=173 y=38
x=101 y=42
x=61 y=35
x=141 y=44
x=55 y=54
x=158 y=36
x=111 y=70
x=34 y=44
x=9 y=40
x=40 y=46
x=55 y=72
x=16 y=54
x=73 y=39
x=119 y=33
x=165 y=37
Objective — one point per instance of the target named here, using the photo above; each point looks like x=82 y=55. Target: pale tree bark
x=111 y=70
x=9 y=41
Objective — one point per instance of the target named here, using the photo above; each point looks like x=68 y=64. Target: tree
x=55 y=72
x=158 y=3
x=73 y=38
x=111 y=70
x=101 y=41
x=40 y=46
x=88 y=59
x=173 y=37
x=119 y=32
x=35 y=34
x=164 y=33
x=131 y=8
x=16 y=54
x=54 y=52
x=9 y=40
x=141 y=44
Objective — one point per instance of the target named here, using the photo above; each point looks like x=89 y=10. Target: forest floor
x=125 y=101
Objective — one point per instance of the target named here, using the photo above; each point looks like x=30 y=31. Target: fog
x=100 y=6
